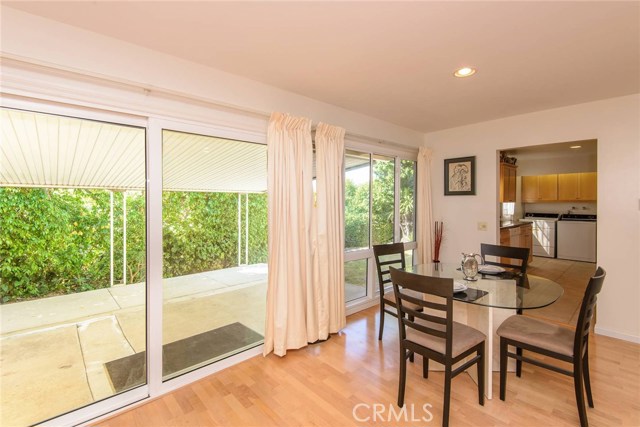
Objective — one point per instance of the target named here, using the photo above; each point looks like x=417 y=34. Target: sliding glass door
x=214 y=238
x=72 y=263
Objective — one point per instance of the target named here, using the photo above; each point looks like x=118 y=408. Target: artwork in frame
x=460 y=176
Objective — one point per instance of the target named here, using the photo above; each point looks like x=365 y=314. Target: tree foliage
x=382 y=206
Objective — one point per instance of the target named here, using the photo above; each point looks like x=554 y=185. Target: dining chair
x=502 y=252
x=387 y=256
x=511 y=253
x=433 y=334
x=556 y=342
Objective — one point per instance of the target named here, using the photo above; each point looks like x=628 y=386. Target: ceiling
x=393 y=60
x=587 y=147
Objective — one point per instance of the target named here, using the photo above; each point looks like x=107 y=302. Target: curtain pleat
x=305 y=290
x=329 y=257
x=424 y=218
x=290 y=204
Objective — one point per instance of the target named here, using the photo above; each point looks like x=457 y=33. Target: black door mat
x=181 y=355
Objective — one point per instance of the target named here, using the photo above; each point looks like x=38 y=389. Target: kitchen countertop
x=512 y=224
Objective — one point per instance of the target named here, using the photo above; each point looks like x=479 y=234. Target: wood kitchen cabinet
x=520 y=237
x=507 y=182
x=578 y=186
x=540 y=188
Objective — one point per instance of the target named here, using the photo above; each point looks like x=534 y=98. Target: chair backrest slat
x=441 y=316
x=425 y=329
x=390 y=255
x=513 y=253
x=587 y=310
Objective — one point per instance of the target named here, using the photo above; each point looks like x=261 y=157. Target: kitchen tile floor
x=573 y=276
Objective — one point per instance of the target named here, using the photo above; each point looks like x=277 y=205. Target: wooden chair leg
x=518 y=363
x=411 y=355
x=447 y=396
x=425 y=367
x=577 y=382
x=381 y=321
x=587 y=381
x=403 y=377
x=503 y=368
x=481 y=363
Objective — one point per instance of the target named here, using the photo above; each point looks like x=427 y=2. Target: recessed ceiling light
x=465 y=72
x=576 y=146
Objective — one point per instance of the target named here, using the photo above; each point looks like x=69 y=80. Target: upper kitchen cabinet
x=540 y=188
x=578 y=186
x=507 y=182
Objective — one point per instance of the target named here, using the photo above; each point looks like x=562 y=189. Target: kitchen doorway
x=557 y=181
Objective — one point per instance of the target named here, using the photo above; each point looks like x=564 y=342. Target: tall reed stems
x=438 y=229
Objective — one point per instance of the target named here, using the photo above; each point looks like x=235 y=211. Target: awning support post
x=246 y=229
x=124 y=237
x=239 y=228
x=111 y=237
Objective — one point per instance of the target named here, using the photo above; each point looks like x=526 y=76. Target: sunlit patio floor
x=53 y=350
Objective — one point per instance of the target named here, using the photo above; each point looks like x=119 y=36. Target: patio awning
x=43 y=150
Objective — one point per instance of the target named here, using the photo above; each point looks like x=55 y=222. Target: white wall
x=615 y=123
x=64 y=47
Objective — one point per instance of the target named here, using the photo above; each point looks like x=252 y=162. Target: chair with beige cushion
x=432 y=332
x=556 y=342
x=386 y=256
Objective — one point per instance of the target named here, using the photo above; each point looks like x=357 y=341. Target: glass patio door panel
x=383 y=200
x=214 y=249
x=379 y=209
x=72 y=263
x=356 y=199
x=407 y=206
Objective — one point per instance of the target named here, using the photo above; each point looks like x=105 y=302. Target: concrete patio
x=53 y=350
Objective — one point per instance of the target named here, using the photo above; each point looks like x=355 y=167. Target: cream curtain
x=424 y=218
x=305 y=293
x=290 y=203
x=329 y=255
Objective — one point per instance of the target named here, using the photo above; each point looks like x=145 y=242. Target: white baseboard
x=614 y=334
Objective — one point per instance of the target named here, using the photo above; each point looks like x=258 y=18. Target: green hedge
x=56 y=241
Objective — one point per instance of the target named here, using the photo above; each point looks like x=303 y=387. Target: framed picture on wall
x=460 y=176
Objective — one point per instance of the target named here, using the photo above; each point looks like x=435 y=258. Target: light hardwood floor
x=573 y=276
x=321 y=385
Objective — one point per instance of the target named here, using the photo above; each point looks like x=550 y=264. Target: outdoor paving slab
x=192 y=284
x=182 y=319
x=43 y=375
x=132 y=322
x=132 y=295
x=102 y=341
x=54 y=310
x=239 y=275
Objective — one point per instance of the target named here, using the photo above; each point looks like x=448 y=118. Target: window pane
x=355 y=278
x=214 y=249
x=72 y=263
x=356 y=200
x=383 y=200
x=407 y=200
x=408 y=257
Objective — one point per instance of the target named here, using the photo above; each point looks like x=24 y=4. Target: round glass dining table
x=505 y=290
x=491 y=299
